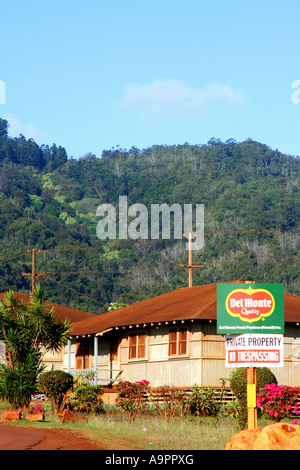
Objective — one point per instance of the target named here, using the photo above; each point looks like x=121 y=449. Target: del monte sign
x=250 y=308
x=250 y=304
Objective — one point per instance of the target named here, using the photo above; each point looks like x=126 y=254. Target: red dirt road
x=21 y=438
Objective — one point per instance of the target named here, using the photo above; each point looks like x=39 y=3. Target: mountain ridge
x=48 y=201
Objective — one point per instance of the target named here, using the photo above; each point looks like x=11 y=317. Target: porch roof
x=186 y=303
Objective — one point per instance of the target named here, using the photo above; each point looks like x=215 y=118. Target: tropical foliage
x=28 y=331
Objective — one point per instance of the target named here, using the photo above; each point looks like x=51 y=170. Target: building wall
x=290 y=373
x=204 y=363
x=53 y=360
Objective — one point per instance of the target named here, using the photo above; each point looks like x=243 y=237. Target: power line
x=85 y=272
x=77 y=292
x=34 y=275
x=191 y=268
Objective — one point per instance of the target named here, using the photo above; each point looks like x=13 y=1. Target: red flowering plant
x=279 y=401
x=35 y=408
x=132 y=397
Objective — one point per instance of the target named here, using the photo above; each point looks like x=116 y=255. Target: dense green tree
x=3 y=128
x=28 y=331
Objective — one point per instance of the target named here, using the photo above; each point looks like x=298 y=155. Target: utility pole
x=33 y=274
x=190 y=266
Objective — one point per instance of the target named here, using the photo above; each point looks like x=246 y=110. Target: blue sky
x=92 y=75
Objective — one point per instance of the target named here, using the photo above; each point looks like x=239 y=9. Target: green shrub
x=231 y=409
x=86 y=398
x=55 y=384
x=238 y=385
x=203 y=402
x=17 y=384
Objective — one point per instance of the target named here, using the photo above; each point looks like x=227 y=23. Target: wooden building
x=170 y=339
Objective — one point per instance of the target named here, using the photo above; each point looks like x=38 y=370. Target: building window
x=137 y=345
x=83 y=354
x=178 y=342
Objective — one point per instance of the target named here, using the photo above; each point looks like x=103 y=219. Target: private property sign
x=254 y=350
x=250 y=308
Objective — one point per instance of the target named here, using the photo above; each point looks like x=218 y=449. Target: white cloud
x=17 y=127
x=175 y=99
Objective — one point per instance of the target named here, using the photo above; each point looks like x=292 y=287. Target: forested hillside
x=48 y=201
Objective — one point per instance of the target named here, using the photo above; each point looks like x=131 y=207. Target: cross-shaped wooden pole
x=190 y=266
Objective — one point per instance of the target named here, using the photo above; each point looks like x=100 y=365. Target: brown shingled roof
x=60 y=311
x=199 y=302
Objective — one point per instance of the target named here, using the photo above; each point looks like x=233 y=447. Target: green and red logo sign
x=250 y=304
x=246 y=308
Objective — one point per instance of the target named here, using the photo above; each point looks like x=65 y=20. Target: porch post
x=69 y=355
x=95 y=358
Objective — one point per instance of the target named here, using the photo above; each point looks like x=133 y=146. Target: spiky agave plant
x=19 y=382
x=28 y=332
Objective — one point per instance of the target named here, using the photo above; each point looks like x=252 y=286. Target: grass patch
x=114 y=431
x=153 y=433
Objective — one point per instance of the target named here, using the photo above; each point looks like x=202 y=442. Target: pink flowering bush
x=278 y=401
x=35 y=408
x=131 y=397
